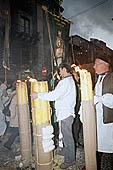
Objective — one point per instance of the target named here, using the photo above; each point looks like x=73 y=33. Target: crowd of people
x=8 y=112
x=65 y=101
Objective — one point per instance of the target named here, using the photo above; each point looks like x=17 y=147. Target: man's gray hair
x=101 y=61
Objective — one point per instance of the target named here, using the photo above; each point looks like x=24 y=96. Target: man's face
x=99 y=66
x=62 y=72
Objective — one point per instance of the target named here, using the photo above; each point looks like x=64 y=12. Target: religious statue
x=59 y=48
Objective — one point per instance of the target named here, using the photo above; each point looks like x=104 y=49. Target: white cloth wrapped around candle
x=87 y=116
x=86 y=85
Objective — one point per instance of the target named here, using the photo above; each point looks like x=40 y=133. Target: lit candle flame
x=32 y=80
x=77 y=68
x=18 y=81
x=73 y=65
x=28 y=77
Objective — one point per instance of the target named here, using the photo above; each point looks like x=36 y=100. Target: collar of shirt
x=102 y=74
x=68 y=76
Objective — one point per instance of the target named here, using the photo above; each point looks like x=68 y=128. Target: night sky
x=92 y=19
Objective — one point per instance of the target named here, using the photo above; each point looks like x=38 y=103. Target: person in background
x=6 y=100
x=77 y=124
x=2 y=116
x=53 y=80
x=13 y=121
x=64 y=96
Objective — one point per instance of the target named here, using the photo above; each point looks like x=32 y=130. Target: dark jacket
x=107 y=87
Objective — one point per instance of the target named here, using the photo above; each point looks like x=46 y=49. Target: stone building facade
x=82 y=51
x=29 y=43
x=28 y=39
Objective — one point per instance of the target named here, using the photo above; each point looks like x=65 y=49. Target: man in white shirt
x=64 y=96
x=103 y=101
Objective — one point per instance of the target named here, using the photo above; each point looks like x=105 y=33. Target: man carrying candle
x=103 y=100
x=64 y=96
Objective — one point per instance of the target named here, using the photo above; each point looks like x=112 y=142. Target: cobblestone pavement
x=9 y=159
x=80 y=162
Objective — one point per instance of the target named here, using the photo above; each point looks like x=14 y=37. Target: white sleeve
x=107 y=100
x=59 y=91
x=97 y=99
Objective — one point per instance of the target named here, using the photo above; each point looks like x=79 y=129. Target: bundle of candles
x=85 y=83
x=88 y=117
x=40 y=120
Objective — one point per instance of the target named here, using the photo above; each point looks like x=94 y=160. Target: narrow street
x=10 y=159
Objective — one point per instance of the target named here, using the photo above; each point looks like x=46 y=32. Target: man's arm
x=106 y=100
x=59 y=91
